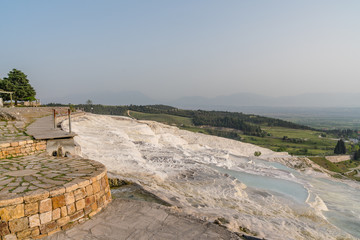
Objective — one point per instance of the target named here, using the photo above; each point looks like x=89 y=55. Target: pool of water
x=290 y=189
x=341 y=199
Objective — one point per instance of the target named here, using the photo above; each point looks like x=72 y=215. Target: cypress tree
x=340 y=147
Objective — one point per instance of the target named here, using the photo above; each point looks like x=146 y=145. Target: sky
x=170 y=49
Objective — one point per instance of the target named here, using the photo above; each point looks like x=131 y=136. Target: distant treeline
x=249 y=124
x=95 y=108
x=343 y=133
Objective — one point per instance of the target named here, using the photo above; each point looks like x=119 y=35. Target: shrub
x=257 y=153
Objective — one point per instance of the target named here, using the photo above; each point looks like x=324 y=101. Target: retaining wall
x=21 y=148
x=41 y=213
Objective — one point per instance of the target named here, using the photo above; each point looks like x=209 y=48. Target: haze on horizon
x=172 y=49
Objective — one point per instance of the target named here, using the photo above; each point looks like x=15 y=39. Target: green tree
x=89 y=102
x=356 y=155
x=340 y=147
x=17 y=82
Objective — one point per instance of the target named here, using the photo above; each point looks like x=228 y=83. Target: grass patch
x=342 y=169
x=347 y=165
x=323 y=162
x=163 y=118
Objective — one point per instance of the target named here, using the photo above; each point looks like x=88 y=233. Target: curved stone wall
x=41 y=195
x=21 y=148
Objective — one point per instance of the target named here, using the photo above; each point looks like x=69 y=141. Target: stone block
x=31 y=208
x=6 y=201
x=57 y=191
x=34 y=220
x=24 y=234
x=4 y=145
x=83 y=184
x=58 y=201
x=19 y=224
x=71 y=208
x=79 y=194
x=87 y=210
x=94 y=206
x=89 y=200
x=14 y=144
x=77 y=216
x=56 y=214
x=96 y=186
x=93 y=213
x=35 y=232
x=45 y=217
x=63 y=211
x=57 y=229
x=99 y=195
x=45 y=205
x=69 y=198
x=100 y=202
x=46 y=228
x=107 y=189
x=89 y=190
x=4 y=229
x=36 y=196
x=40 y=236
x=62 y=221
x=10 y=237
x=69 y=225
x=103 y=183
x=22 y=143
x=80 y=204
x=12 y=212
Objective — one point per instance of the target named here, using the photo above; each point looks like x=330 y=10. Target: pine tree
x=18 y=83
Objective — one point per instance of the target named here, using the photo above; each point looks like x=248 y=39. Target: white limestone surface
x=201 y=175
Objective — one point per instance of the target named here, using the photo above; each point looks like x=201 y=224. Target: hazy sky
x=168 y=49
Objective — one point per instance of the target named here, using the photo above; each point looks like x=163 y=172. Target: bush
x=257 y=153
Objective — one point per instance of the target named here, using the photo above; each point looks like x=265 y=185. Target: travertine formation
x=40 y=195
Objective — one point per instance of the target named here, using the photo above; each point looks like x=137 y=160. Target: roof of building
x=2 y=91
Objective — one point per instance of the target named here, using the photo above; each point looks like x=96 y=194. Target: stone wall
x=43 y=212
x=21 y=148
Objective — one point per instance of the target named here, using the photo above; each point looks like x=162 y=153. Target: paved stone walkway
x=43 y=128
x=20 y=176
x=131 y=219
x=12 y=131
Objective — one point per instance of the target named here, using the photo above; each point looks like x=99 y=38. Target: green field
x=310 y=141
x=311 y=144
x=163 y=118
x=344 y=168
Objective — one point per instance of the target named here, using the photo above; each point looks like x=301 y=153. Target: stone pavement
x=131 y=219
x=20 y=176
x=41 y=195
x=12 y=131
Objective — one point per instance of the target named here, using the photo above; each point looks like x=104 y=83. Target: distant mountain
x=232 y=102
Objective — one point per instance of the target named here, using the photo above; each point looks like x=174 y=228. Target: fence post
x=69 y=115
x=54 y=118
